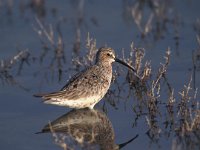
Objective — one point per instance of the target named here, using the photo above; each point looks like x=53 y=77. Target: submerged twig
x=6 y=66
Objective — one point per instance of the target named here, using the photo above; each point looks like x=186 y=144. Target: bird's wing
x=73 y=78
x=77 y=86
x=82 y=84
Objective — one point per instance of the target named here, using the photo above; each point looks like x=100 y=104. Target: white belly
x=87 y=102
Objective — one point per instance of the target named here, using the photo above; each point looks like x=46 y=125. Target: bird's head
x=107 y=55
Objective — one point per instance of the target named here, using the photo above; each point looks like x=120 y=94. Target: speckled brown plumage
x=87 y=87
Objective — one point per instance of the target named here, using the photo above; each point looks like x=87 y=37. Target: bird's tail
x=39 y=95
x=49 y=96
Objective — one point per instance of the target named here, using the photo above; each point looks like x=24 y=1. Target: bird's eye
x=108 y=54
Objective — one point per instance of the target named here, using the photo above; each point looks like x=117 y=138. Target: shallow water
x=22 y=115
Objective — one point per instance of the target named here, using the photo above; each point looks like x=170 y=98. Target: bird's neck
x=106 y=66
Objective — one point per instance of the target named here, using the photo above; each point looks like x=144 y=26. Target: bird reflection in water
x=89 y=129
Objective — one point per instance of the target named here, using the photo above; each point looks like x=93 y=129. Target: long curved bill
x=125 y=143
x=125 y=64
